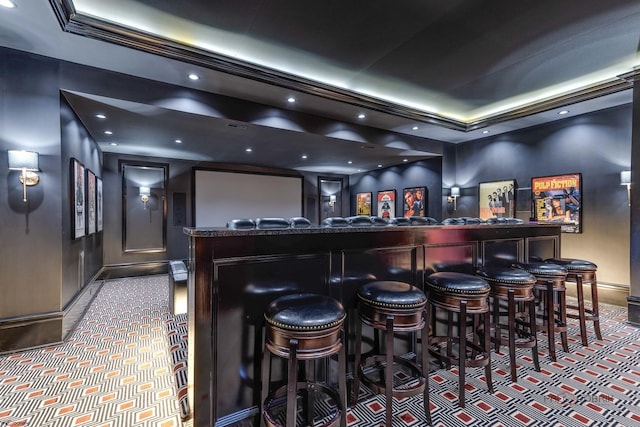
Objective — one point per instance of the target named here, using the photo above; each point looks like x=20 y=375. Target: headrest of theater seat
x=376 y=221
x=472 y=221
x=453 y=221
x=334 y=222
x=495 y=220
x=241 y=224
x=359 y=221
x=418 y=220
x=515 y=221
x=400 y=220
x=269 y=223
x=299 y=222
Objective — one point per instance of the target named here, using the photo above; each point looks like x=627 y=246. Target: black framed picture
x=557 y=199
x=414 y=201
x=99 y=204
x=387 y=204
x=78 y=199
x=497 y=199
x=91 y=202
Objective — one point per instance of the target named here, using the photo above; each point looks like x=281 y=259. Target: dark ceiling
x=422 y=70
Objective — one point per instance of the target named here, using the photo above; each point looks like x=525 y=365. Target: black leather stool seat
x=572 y=264
x=580 y=271
x=447 y=288
x=513 y=286
x=302 y=327
x=542 y=269
x=392 y=294
x=305 y=312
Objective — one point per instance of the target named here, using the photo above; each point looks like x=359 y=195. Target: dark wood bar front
x=236 y=273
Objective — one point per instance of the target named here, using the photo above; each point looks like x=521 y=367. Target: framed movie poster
x=99 y=204
x=91 y=202
x=414 y=201
x=497 y=199
x=363 y=204
x=78 y=198
x=387 y=204
x=557 y=199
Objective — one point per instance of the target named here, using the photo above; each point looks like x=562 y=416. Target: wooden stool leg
x=496 y=321
x=533 y=331
x=462 y=352
x=581 y=312
x=449 y=337
x=562 y=310
x=487 y=349
x=311 y=395
x=292 y=383
x=511 y=307
x=342 y=380
x=595 y=310
x=550 y=320
x=424 y=340
x=389 y=371
x=264 y=385
x=356 y=367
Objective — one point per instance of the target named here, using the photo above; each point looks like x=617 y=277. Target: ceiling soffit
x=88 y=26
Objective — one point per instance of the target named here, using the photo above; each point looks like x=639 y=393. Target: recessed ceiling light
x=108 y=132
x=415 y=128
x=248 y=150
x=99 y=116
x=194 y=76
x=379 y=166
x=405 y=160
x=361 y=116
x=350 y=162
x=304 y=156
x=7 y=3
x=178 y=141
x=291 y=99
x=114 y=144
x=485 y=131
x=563 y=112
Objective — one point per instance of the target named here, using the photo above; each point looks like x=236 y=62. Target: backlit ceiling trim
x=86 y=26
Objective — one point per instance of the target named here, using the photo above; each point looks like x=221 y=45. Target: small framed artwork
x=98 y=204
x=363 y=204
x=497 y=199
x=414 y=201
x=91 y=202
x=78 y=198
x=558 y=199
x=387 y=204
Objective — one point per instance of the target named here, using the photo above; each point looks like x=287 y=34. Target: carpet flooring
x=117 y=370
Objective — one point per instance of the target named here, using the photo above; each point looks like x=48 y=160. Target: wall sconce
x=332 y=200
x=145 y=193
x=453 y=197
x=625 y=179
x=27 y=162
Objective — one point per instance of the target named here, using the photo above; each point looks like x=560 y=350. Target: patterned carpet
x=117 y=370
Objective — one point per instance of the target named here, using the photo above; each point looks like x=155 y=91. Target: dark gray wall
x=425 y=173
x=598 y=145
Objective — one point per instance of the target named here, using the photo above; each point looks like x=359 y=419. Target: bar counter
x=236 y=273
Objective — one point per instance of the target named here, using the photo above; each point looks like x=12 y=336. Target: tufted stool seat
x=514 y=287
x=302 y=327
x=582 y=272
x=464 y=294
x=550 y=284
x=392 y=307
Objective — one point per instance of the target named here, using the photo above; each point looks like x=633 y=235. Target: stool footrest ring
x=281 y=394
x=379 y=387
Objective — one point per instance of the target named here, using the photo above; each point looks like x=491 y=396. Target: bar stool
x=392 y=307
x=467 y=295
x=580 y=272
x=550 y=284
x=303 y=327
x=515 y=287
